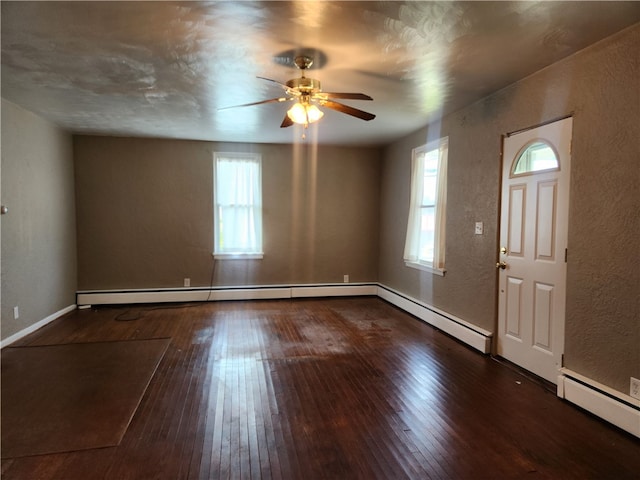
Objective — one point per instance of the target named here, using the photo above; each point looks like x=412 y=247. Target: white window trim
x=235 y=255
x=238 y=256
x=426 y=268
x=437 y=266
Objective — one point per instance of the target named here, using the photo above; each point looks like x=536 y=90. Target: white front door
x=533 y=242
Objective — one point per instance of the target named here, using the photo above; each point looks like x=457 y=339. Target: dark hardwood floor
x=326 y=389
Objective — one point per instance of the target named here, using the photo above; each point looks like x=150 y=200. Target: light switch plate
x=479 y=228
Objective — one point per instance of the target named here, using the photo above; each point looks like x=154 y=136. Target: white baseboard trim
x=617 y=408
x=32 y=328
x=462 y=330
x=108 y=297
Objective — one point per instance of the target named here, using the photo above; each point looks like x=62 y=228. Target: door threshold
x=542 y=382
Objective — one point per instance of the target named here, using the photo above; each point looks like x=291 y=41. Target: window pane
x=237 y=232
x=431 y=161
x=429 y=190
x=427 y=233
x=536 y=157
x=429 y=185
x=236 y=182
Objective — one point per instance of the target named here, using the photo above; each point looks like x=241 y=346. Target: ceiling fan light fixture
x=307 y=94
x=304 y=114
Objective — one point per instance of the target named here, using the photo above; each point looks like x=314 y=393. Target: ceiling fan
x=308 y=95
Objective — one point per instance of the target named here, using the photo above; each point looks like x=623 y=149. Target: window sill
x=426 y=268
x=238 y=256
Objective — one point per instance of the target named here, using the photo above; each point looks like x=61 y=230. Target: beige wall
x=38 y=233
x=145 y=217
x=599 y=86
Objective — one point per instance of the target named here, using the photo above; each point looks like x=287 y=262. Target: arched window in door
x=537 y=156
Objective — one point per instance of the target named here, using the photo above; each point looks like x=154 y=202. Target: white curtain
x=441 y=207
x=238 y=203
x=412 y=243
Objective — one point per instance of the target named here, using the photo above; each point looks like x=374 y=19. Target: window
x=424 y=246
x=237 y=199
x=538 y=156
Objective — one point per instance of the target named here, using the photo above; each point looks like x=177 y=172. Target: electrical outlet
x=635 y=388
x=479 y=228
x=346 y=279
x=187 y=282
x=16 y=313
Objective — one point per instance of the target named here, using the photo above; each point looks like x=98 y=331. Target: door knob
x=501 y=265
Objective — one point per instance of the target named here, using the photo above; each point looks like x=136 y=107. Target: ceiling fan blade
x=287 y=122
x=287 y=88
x=348 y=110
x=274 y=81
x=272 y=100
x=351 y=96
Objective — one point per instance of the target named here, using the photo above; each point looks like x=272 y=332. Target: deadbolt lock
x=503 y=250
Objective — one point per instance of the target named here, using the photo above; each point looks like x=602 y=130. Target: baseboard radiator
x=617 y=408
x=114 y=297
x=462 y=330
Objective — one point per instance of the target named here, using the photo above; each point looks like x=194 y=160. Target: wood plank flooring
x=346 y=388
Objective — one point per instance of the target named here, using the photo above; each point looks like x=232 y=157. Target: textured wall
x=38 y=233
x=603 y=291
x=599 y=86
x=145 y=216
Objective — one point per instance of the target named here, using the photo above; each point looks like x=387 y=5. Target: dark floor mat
x=62 y=398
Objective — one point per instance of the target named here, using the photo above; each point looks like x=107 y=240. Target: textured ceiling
x=164 y=69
